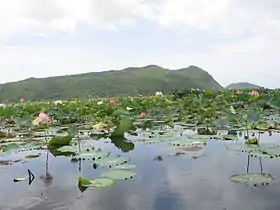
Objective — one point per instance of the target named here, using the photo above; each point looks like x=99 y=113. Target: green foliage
x=119 y=174
x=57 y=142
x=123 y=126
x=253 y=179
x=100 y=182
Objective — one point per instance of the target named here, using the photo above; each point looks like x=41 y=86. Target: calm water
x=176 y=182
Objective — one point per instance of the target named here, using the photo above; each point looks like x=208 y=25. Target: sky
x=234 y=40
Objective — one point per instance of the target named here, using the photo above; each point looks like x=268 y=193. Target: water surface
x=175 y=182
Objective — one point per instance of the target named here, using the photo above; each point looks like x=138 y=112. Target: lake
x=196 y=180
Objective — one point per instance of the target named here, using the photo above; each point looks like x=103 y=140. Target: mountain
x=129 y=81
x=243 y=85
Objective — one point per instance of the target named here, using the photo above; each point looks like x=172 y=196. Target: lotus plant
x=254 y=93
x=158 y=93
x=100 y=103
x=3 y=105
x=58 y=102
x=112 y=101
x=143 y=114
x=41 y=118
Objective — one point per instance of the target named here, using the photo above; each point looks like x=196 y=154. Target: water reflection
x=179 y=183
x=248 y=164
x=122 y=143
x=47 y=178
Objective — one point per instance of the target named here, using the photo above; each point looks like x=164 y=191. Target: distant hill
x=243 y=85
x=129 y=81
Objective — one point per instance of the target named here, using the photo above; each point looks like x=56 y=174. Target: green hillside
x=243 y=85
x=129 y=81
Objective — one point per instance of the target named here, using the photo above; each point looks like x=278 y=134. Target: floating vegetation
x=57 y=142
x=94 y=155
x=253 y=179
x=184 y=126
x=100 y=182
x=111 y=161
x=119 y=174
x=125 y=167
x=33 y=156
x=264 y=150
x=189 y=142
x=191 y=148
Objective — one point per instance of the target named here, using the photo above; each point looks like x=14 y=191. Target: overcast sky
x=234 y=40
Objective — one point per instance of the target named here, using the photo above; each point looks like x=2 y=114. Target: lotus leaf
x=125 y=167
x=152 y=141
x=262 y=126
x=111 y=161
x=100 y=182
x=254 y=141
x=229 y=137
x=124 y=125
x=94 y=155
x=267 y=153
x=253 y=179
x=190 y=142
x=74 y=149
x=57 y=142
x=101 y=126
x=6 y=135
x=191 y=148
x=11 y=145
x=119 y=174
x=246 y=148
x=32 y=156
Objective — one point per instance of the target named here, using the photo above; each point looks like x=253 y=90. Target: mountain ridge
x=243 y=85
x=129 y=81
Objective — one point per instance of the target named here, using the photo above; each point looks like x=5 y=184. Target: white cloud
x=250 y=53
x=41 y=35
x=46 y=15
x=227 y=17
x=253 y=59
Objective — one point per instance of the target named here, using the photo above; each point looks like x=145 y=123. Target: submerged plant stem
x=45 y=135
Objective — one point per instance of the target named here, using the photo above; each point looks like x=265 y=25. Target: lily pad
x=267 y=153
x=68 y=148
x=119 y=174
x=95 y=155
x=190 y=142
x=111 y=161
x=191 y=148
x=253 y=179
x=57 y=142
x=100 y=182
x=19 y=179
x=125 y=167
x=152 y=141
x=32 y=156
x=247 y=148
x=254 y=141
